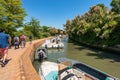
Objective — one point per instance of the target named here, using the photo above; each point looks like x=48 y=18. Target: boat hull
x=48 y=70
x=54 y=71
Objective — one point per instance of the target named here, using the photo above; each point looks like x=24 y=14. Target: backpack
x=30 y=37
x=16 y=40
x=22 y=37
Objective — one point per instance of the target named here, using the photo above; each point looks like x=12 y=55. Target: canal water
x=106 y=62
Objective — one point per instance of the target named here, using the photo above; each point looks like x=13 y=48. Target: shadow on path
x=8 y=60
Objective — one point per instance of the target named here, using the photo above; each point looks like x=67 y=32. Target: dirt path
x=11 y=71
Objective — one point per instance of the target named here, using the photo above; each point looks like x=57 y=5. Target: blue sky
x=55 y=12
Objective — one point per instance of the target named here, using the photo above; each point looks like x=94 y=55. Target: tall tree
x=34 y=27
x=68 y=25
x=45 y=31
x=45 y=28
x=116 y=6
x=99 y=25
x=53 y=31
x=11 y=15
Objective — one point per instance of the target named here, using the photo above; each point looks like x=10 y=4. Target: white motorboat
x=50 y=44
x=62 y=71
x=48 y=71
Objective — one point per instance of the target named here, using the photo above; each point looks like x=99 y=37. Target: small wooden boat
x=88 y=70
x=41 y=53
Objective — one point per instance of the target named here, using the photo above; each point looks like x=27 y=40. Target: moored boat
x=53 y=44
x=86 y=69
x=62 y=71
x=48 y=70
x=41 y=53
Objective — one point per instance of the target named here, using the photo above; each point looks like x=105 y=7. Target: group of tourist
x=17 y=41
x=5 y=43
x=21 y=41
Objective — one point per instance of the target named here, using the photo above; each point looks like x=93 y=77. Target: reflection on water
x=107 y=62
x=54 y=54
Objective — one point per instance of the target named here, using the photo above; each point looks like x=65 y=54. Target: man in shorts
x=23 y=41
x=4 y=45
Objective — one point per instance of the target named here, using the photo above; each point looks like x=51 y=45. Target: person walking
x=23 y=41
x=4 y=45
x=30 y=38
x=16 y=42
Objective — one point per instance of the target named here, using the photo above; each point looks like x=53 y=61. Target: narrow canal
x=106 y=62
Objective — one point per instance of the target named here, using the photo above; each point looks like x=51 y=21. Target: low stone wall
x=27 y=71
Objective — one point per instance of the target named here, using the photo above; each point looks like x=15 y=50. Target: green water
x=106 y=62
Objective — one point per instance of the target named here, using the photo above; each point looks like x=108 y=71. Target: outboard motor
x=45 y=53
x=40 y=55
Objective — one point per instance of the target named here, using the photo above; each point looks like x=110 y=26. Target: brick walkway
x=12 y=69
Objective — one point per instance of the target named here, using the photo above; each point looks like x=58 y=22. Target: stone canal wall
x=27 y=71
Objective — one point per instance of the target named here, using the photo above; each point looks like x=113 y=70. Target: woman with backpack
x=16 y=42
